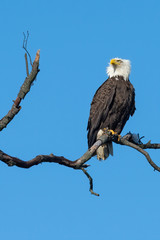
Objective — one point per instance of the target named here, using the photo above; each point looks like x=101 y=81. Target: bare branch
x=13 y=161
x=125 y=142
x=80 y=162
x=77 y=164
x=22 y=93
x=25 y=88
x=150 y=145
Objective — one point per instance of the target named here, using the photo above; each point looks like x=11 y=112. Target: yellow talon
x=119 y=137
x=110 y=130
x=113 y=132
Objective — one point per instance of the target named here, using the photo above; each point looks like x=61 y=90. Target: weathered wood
x=25 y=88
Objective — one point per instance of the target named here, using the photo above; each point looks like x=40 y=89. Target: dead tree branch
x=150 y=145
x=140 y=148
x=77 y=164
x=80 y=163
x=129 y=139
x=25 y=88
x=90 y=182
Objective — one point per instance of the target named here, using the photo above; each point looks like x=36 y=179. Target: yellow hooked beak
x=115 y=61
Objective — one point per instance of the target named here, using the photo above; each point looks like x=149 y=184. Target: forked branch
x=25 y=88
x=80 y=163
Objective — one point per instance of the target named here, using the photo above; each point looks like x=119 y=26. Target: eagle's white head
x=119 y=67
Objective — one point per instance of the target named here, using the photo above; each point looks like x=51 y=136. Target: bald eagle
x=112 y=105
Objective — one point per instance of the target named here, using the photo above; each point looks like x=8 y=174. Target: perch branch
x=80 y=163
x=22 y=93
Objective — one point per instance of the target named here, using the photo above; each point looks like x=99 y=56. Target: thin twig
x=25 y=41
x=26 y=61
x=90 y=182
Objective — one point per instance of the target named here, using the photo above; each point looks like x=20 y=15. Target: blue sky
x=77 y=39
